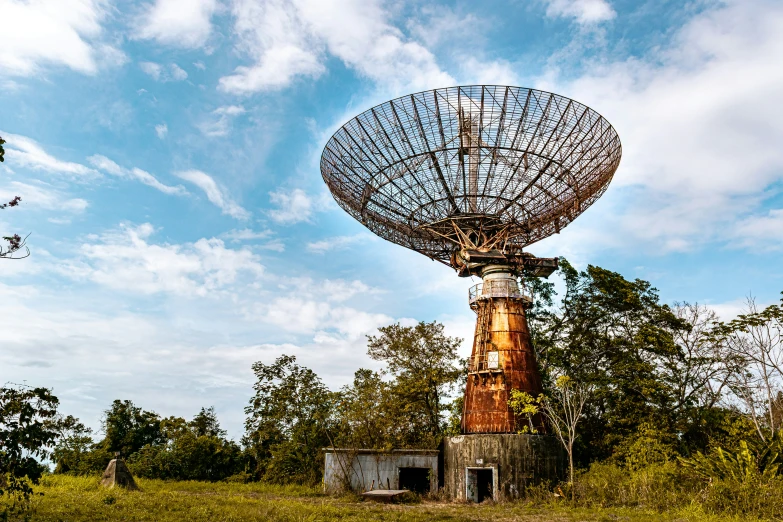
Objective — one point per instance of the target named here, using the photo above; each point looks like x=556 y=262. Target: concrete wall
x=516 y=461
x=370 y=469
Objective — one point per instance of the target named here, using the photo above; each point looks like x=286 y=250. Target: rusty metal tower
x=470 y=176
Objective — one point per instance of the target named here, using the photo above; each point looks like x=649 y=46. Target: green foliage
x=454 y=422
x=75 y=452
x=612 y=335
x=368 y=415
x=188 y=456
x=173 y=448
x=421 y=359
x=744 y=465
x=658 y=486
x=29 y=427
x=525 y=408
x=288 y=420
x=649 y=446
x=129 y=428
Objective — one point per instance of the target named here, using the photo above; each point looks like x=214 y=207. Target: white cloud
x=179 y=23
x=161 y=130
x=105 y=164
x=292 y=207
x=148 y=179
x=764 y=232
x=216 y=194
x=700 y=136
x=221 y=125
x=177 y=73
x=317 y=306
x=290 y=39
x=338 y=243
x=199 y=65
x=43 y=196
x=126 y=260
x=162 y=73
x=584 y=12
x=247 y=234
x=53 y=32
x=27 y=153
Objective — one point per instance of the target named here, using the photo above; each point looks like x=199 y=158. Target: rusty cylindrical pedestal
x=502 y=358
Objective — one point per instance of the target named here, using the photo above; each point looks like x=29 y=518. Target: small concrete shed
x=366 y=470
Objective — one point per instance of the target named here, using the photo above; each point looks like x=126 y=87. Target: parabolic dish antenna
x=476 y=168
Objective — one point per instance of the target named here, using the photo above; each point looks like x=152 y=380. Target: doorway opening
x=479 y=484
x=415 y=479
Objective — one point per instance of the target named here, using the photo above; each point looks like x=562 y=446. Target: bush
x=657 y=486
x=761 y=498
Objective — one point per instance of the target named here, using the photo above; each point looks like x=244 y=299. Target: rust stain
x=501 y=326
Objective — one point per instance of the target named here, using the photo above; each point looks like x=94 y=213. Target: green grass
x=83 y=499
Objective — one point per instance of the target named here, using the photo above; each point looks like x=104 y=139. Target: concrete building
x=365 y=470
x=499 y=466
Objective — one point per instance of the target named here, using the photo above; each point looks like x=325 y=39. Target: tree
x=205 y=423
x=612 y=334
x=128 y=428
x=73 y=453
x=563 y=409
x=195 y=450
x=754 y=362
x=287 y=421
x=29 y=427
x=422 y=360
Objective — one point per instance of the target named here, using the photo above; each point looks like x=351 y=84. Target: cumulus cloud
x=126 y=259
x=54 y=32
x=221 y=124
x=286 y=40
x=294 y=206
x=761 y=231
x=163 y=73
x=106 y=165
x=26 y=152
x=700 y=136
x=584 y=12
x=178 y=23
x=216 y=194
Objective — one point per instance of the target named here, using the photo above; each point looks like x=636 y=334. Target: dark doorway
x=415 y=479
x=483 y=484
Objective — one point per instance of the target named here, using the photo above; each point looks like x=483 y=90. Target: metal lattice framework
x=480 y=167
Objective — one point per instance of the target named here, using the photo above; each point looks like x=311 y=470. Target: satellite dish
x=470 y=176
x=481 y=168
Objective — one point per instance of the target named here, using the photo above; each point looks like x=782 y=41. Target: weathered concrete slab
x=383 y=495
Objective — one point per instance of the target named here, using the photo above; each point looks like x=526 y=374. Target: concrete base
x=499 y=466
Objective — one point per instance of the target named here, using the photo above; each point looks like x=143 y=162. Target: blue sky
x=166 y=153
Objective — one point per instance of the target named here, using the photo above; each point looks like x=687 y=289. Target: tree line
x=657 y=384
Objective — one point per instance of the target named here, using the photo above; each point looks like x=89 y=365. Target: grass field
x=83 y=499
